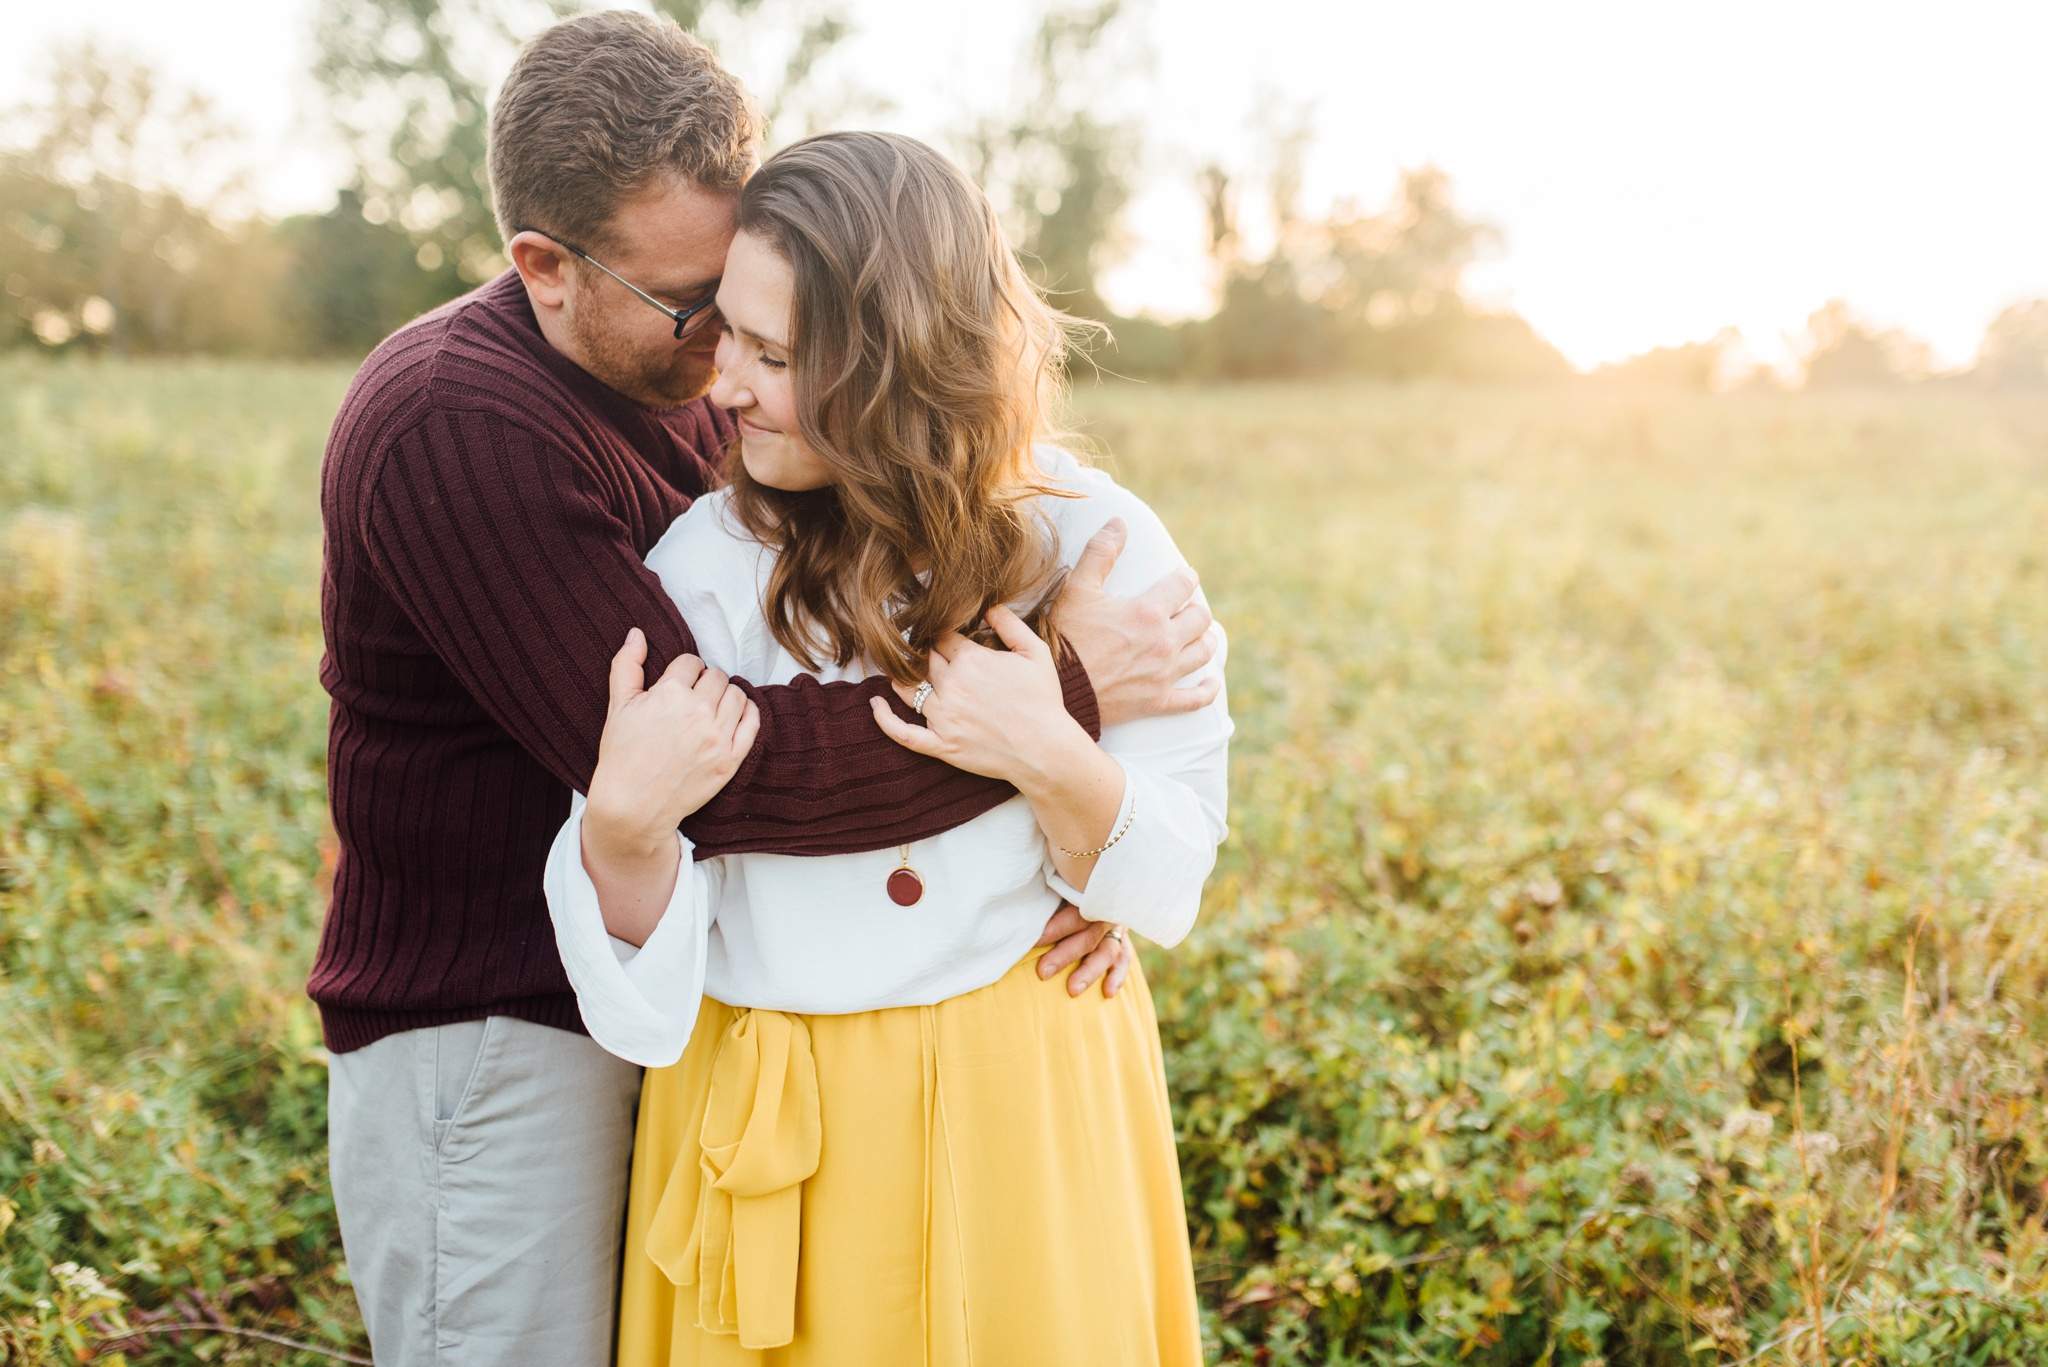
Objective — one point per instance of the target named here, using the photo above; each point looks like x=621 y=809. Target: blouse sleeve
x=638 y=1004
x=1176 y=768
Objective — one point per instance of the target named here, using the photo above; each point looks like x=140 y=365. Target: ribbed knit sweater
x=487 y=508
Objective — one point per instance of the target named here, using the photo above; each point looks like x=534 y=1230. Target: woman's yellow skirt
x=985 y=1182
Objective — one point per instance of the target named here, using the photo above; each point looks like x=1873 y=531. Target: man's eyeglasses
x=688 y=321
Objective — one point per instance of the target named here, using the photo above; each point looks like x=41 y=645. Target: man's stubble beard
x=660 y=380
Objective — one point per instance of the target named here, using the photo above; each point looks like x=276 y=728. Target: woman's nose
x=726 y=390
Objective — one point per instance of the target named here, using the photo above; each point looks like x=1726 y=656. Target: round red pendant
x=905 y=887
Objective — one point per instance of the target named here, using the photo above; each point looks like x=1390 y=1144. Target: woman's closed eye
x=725 y=329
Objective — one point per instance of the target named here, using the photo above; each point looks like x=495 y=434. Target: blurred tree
x=1843 y=351
x=351 y=283
x=1379 y=294
x=122 y=229
x=2014 y=353
x=792 y=39
x=1406 y=262
x=1058 y=165
x=409 y=84
x=1267 y=322
x=1698 y=367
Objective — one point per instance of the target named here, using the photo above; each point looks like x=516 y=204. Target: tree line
x=127 y=228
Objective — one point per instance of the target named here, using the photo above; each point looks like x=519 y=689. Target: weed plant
x=163 y=844
x=1628 y=950
x=1631 y=945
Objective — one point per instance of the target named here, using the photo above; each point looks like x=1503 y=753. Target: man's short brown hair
x=598 y=107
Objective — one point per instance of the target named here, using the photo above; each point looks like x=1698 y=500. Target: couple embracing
x=752 y=735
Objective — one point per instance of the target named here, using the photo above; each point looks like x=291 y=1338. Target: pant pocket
x=458 y=1055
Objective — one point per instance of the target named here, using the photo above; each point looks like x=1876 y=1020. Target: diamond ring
x=922 y=696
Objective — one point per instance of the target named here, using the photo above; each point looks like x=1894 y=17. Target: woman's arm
x=664 y=752
x=998 y=713
x=1173 y=794
x=1146 y=808
x=637 y=1002
x=632 y=912
x=508 y=556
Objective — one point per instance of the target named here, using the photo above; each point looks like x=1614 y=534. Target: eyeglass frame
x=683 y=317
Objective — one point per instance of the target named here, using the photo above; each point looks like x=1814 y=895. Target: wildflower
x=83 y=1282
x=1818 y=1148
x=1746 y=1126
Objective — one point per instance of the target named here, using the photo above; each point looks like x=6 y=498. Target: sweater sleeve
x=506 y=558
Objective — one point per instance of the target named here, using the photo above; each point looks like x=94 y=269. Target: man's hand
x=1073 y=937
x=1136 y=649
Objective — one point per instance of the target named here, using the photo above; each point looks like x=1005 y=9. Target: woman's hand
x=1071 y=938
x=999 y=713
x=665 y=752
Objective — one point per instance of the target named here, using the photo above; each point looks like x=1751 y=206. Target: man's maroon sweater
x=487 y=507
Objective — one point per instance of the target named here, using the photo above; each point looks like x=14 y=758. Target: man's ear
x=543 y=264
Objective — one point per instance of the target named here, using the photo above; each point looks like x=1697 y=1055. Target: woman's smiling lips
x=756 y=428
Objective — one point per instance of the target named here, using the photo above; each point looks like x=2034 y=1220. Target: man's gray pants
x=480 y=1175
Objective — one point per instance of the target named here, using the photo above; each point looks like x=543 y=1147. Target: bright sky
x=1660 y=170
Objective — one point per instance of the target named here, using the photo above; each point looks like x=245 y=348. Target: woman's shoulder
x=712 y=570
x=705 y=536
x=1083 y=498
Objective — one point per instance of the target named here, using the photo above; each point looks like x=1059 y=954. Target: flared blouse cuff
x=639 y=1004
x=1151 y=879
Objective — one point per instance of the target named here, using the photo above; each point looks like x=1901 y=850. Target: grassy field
x=1629 y=949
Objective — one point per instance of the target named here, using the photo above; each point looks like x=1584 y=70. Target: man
x=493 y=480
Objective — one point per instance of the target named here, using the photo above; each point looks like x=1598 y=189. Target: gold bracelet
x=1090 y=854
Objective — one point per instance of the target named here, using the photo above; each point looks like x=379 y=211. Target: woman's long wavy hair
x=925 y=366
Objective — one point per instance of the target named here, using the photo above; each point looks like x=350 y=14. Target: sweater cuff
x=1080 y=694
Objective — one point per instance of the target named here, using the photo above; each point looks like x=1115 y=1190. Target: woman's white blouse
x=820 y=934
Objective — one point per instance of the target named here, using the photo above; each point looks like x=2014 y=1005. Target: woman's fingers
x=910 y=737
x=710 y=685
x=1019 y=638
x=1073 y=947
x=1094 y=964
x=1125 y=957
x=1064 y=922
x=748 y=731
x=683 y=671
x=731 y=705
x=627 y=675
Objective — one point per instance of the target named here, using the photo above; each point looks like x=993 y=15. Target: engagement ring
x=921 y=697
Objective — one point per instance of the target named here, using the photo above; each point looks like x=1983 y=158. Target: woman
x=870 y=1132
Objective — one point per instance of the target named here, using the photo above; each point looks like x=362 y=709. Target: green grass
x=1603 y=763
